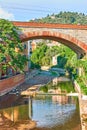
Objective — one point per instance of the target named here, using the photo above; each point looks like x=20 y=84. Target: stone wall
x=82 y=107
x=8 y=84
x=77 y=31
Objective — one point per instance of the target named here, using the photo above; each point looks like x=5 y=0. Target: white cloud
x=6 y=15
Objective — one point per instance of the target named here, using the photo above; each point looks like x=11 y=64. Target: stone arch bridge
x=73 y=36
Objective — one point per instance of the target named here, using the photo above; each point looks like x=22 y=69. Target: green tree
x=46 y=61
x=9 y=42
x=38 y=54
x=65 y=18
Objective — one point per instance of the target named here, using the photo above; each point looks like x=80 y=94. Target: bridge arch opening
x=77 y=46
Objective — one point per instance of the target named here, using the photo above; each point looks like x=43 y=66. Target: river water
x=51 y=109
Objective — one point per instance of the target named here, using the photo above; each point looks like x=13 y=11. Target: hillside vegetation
x=64 y=18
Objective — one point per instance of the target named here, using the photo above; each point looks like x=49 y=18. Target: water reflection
x=51 y=112
x=16 y=113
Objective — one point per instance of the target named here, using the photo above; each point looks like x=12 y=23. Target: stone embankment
x=8 y=84
x=12 y=82
x=82 y=106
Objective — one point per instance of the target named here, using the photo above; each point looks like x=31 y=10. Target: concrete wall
x=7 y=84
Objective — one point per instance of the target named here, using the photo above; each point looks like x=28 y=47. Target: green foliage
x=43 y=56
x=82 y=80
x=67 y=86
x=38 y=54
x=66 y=58
x=44 y=89
x=46 y=60
x=82 y=84
x=53 y=73
x=62 y=60
x=65 y=18
x=9 y=41
x=64 y=86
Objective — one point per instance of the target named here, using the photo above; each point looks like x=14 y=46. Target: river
x=51 y=109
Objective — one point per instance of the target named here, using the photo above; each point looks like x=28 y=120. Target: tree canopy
x=43 y=55
x=10 y=47
x=64 y=18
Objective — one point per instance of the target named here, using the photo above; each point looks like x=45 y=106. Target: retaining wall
x=82 y=106
x=8 y=84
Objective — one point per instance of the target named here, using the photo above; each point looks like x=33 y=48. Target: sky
x=25 y=10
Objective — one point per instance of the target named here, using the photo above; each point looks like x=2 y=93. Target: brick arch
x=73 y=43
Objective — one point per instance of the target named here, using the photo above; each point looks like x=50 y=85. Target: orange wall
x=9 y=83
x=49 y=25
